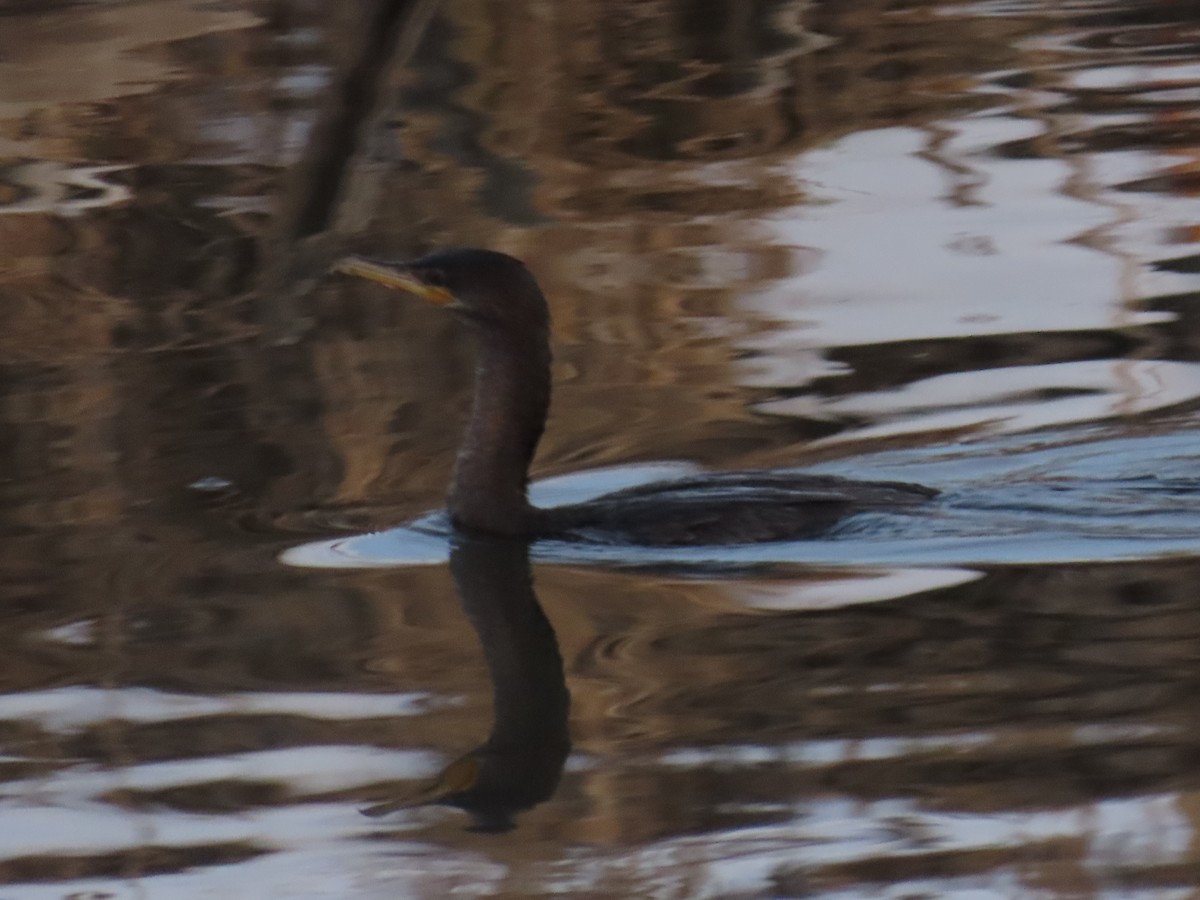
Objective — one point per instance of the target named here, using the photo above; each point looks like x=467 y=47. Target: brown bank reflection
x=1031 y=733
x=522 y=760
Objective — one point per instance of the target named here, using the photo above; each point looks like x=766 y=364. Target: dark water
x=948 y=242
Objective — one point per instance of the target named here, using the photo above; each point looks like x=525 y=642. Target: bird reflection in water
x=520 y=764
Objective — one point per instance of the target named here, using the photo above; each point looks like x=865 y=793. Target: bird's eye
x=434 y=277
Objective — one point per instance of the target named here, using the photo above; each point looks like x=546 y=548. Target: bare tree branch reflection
x=331 y=193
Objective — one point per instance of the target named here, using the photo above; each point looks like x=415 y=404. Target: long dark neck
x=508 y=413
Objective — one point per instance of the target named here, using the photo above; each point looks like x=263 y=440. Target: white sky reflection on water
x=828 y=833
x=70 y=708
x=1007 y=400
x=915 y=270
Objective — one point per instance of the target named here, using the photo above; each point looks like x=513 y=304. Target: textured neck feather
x=508 y=413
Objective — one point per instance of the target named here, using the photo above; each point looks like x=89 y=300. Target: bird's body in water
x=502 y=303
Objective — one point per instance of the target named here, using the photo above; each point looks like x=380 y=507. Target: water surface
x=947 y=242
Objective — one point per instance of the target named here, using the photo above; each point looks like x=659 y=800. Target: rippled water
x=952 y=243
x=1052 y=498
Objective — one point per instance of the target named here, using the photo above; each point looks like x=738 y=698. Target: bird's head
x=485 y=287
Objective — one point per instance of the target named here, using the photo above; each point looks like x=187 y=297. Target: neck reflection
x=520 y=764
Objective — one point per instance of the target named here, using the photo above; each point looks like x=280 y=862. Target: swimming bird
x=501 y=302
